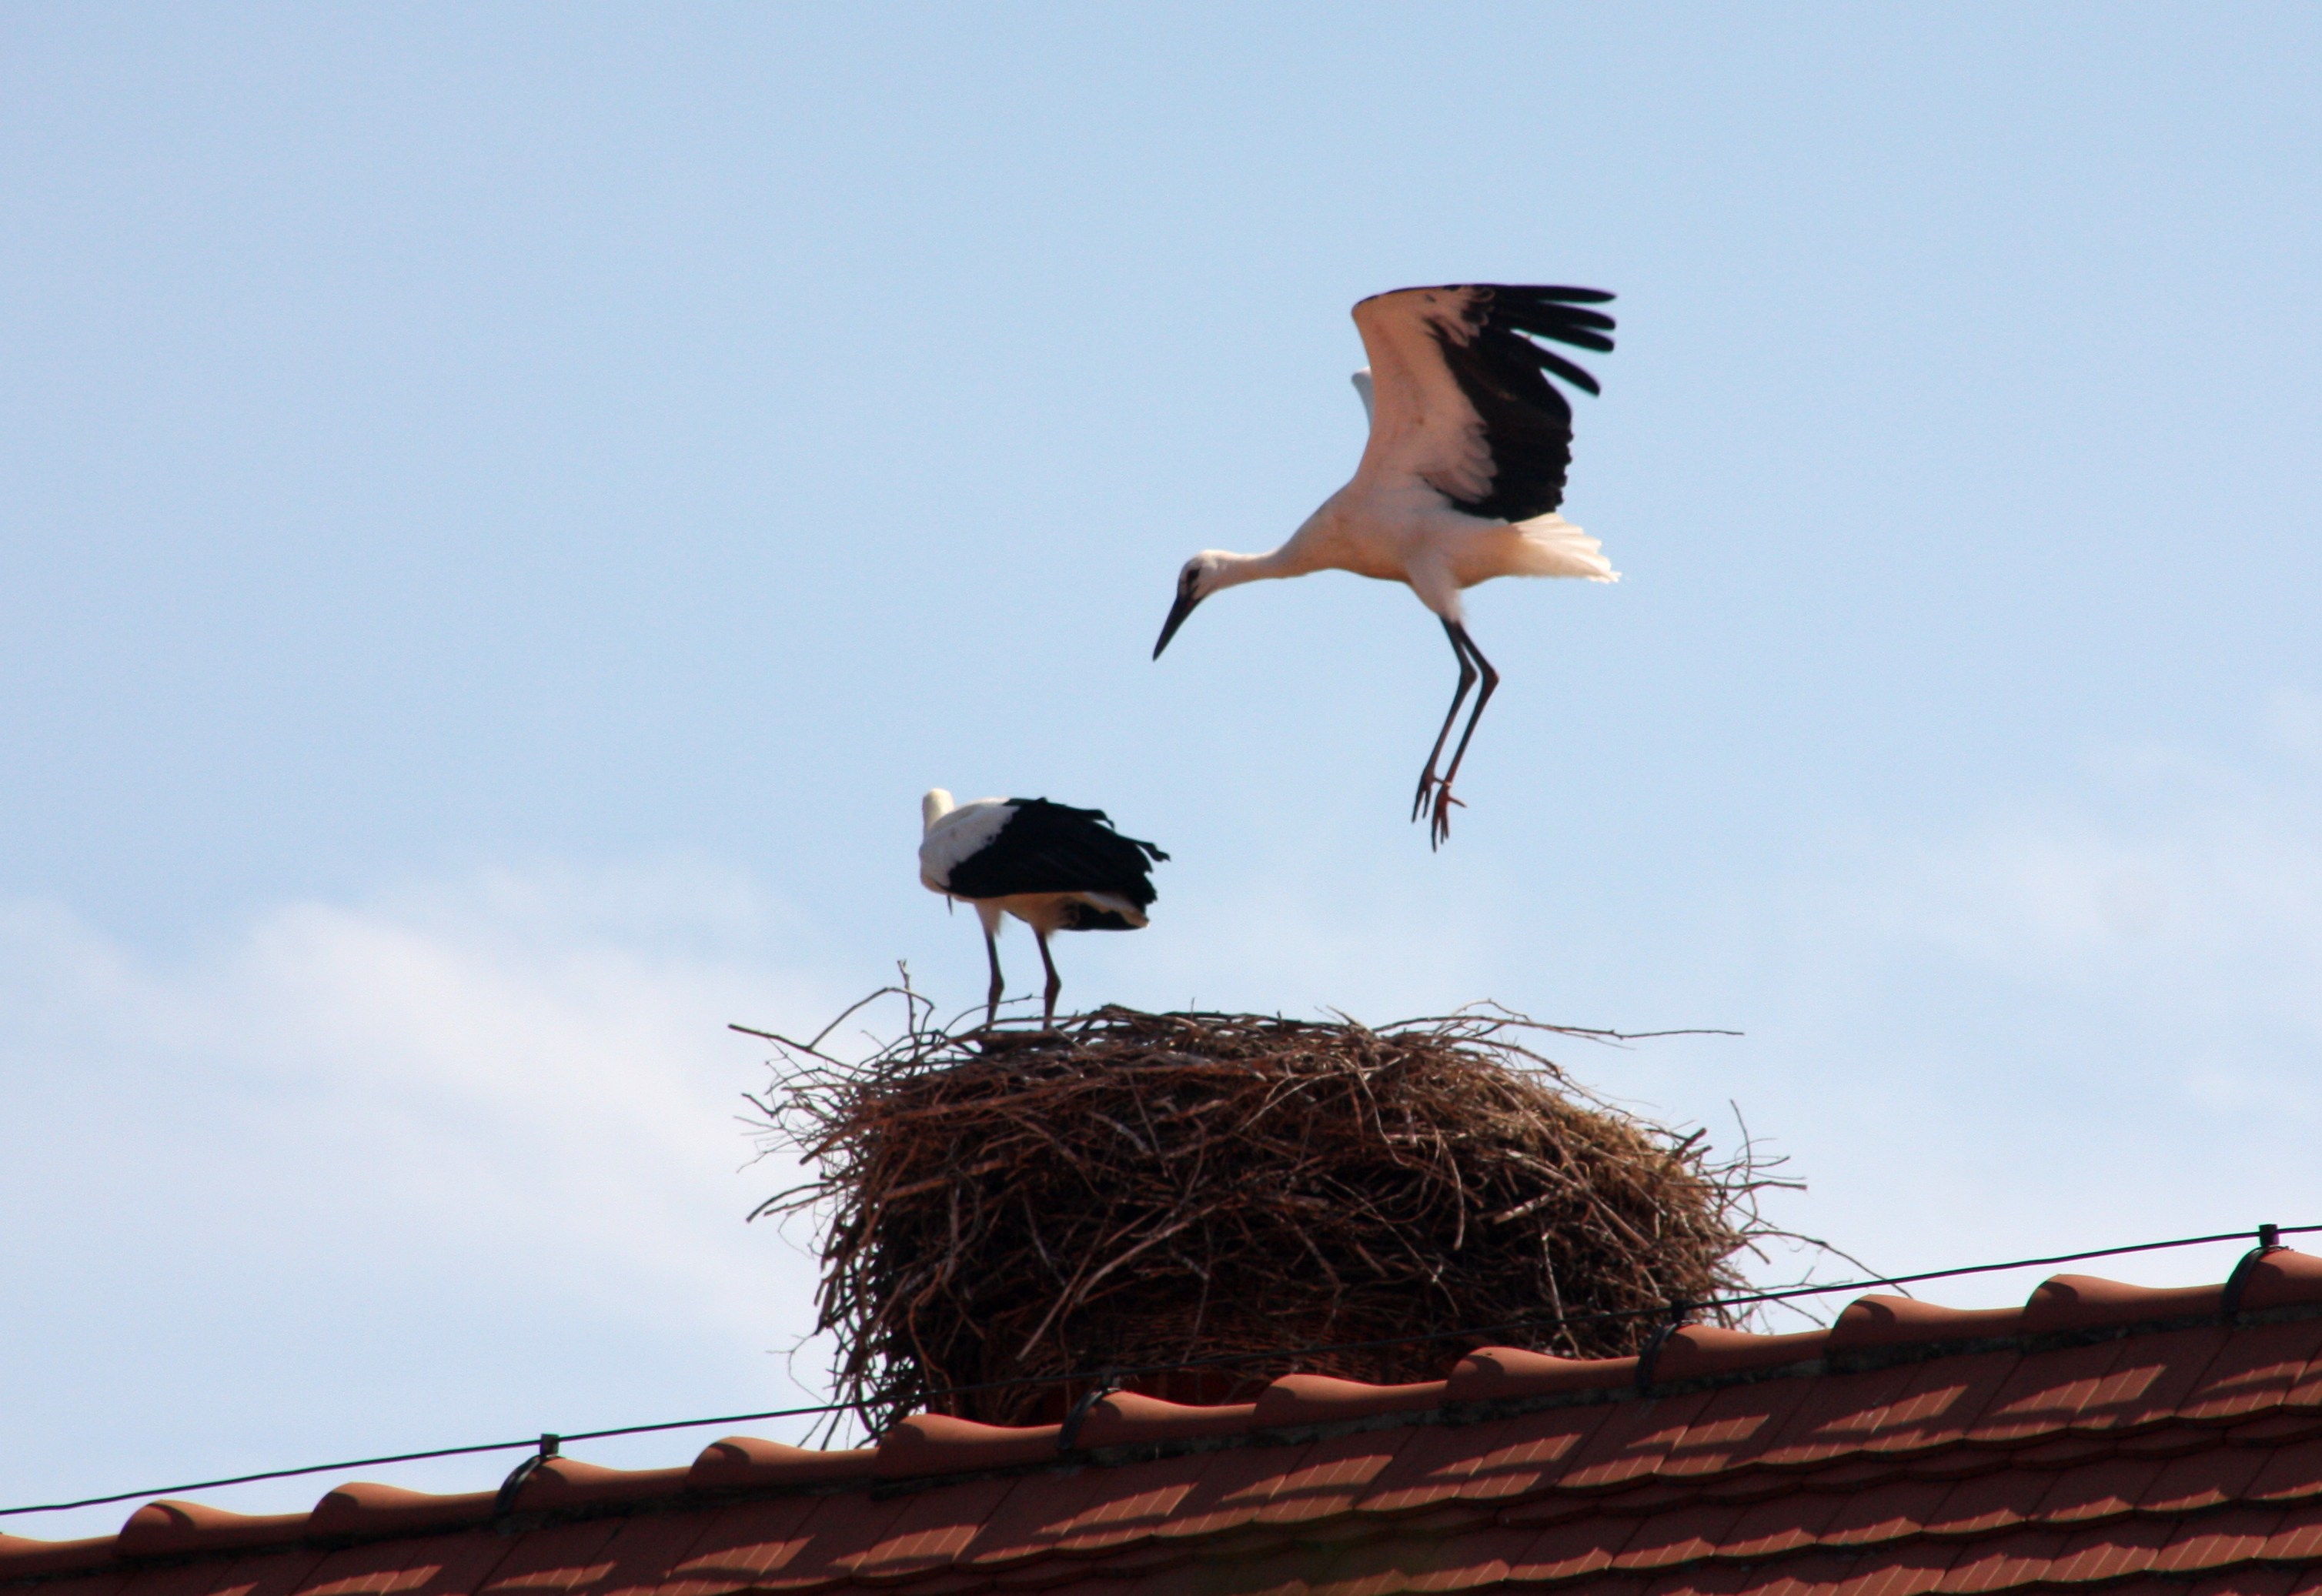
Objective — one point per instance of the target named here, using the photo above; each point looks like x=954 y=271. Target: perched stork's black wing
x=1048 y=847
x=1463 y=401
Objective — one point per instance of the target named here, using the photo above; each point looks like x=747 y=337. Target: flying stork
x=1052 y=866
x=1460 y=480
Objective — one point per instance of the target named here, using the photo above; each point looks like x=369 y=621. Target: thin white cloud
x=2089 y=1020
x=2202 y=908
x=383 y=1175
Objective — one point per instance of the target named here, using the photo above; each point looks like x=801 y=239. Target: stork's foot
x=1435 y=803
x=1439 y=827
x=1423 y=802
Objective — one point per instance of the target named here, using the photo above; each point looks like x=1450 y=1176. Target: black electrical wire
x=2266 y=1234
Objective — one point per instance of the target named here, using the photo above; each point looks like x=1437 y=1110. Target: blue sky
x=505 y=510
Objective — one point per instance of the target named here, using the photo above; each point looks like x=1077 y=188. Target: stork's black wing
x=1463 y=398
x=1048 y=847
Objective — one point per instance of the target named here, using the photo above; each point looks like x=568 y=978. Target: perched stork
x=1054 y=867
x=1462 y=477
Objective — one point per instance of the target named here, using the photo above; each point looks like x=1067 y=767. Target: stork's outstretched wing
x=1463 y=401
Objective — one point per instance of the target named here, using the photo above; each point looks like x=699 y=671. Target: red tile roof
x=2101 y=1435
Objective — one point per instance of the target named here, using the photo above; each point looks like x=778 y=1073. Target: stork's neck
x=1295 y=558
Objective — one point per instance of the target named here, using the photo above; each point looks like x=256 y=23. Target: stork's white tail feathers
x=1114 y=903
x=1552 y=546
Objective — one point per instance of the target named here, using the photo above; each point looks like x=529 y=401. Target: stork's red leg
x=1443 y=798
x=1427 y=777
x=992 y=998
x=1056 y=981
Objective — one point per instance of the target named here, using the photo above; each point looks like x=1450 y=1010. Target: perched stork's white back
x=1052 y=866
x=1461 y=481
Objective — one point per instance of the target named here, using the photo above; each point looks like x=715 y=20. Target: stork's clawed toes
x=1434 y=803
x=1439 y=827
x=1428 y=783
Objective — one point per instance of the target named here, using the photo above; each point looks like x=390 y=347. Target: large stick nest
x=1137 y=1191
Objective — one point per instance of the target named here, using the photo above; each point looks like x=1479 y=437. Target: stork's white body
x=1461 y=477
x=1054 y=867
x=955 y=833
x=1402 y=531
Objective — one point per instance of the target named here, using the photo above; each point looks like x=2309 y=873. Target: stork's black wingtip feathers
x=1546 y=294
x=1578 y=376
x=1503 y=369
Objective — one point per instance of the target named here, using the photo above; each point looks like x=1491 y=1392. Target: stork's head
x=1203 y=575
x=934 y=807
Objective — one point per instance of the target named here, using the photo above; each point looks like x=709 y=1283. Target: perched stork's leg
x=1056 y=981
x=1427 y=778
x=991 y=997
x=1443 y=798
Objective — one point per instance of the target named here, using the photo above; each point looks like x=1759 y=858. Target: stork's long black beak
x=1186 y=599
